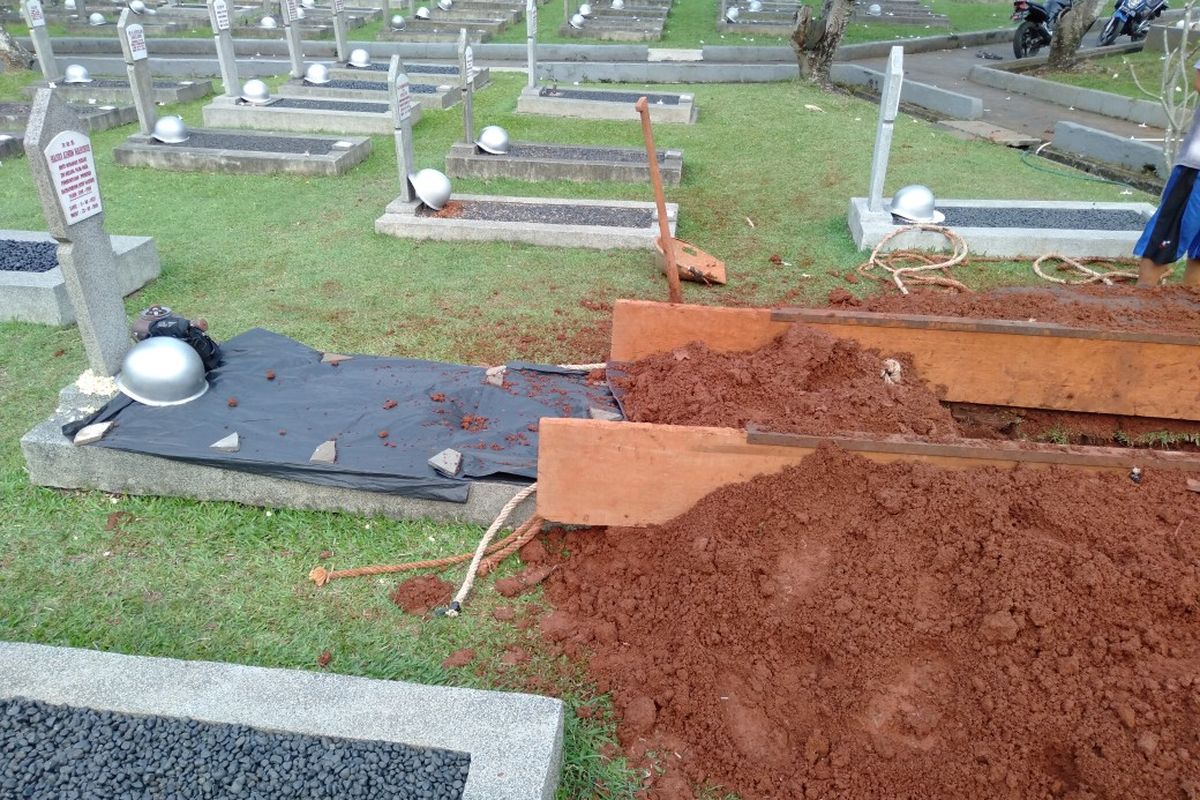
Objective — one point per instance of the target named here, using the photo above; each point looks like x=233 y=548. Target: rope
x=915 y=274
x=519 y=538
x=473 y=569
x=1107 y=278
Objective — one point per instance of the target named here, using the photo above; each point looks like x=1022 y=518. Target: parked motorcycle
x=1131 y=18
x=1037 y=24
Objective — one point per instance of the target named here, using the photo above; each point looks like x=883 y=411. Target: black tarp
x=281 y=422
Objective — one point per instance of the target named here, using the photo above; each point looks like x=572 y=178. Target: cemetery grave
x=302 y=115
x=642 y=23
x=424 y=73
x=95 y=117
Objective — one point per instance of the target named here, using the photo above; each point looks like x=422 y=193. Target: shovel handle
x=675 y=294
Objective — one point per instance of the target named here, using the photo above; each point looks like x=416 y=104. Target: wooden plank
x=992 y=362
x=592 y=472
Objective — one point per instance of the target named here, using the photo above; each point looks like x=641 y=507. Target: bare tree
x=1069 y=32
x=816 y=41
x=12 y=55
x=1176 y=92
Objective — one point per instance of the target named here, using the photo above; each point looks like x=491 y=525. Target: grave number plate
x=136 y=35
x=221 y=12
x=403 y=101
x=37 y=17
x=73 y=171
x=469 y=62
x=339 y=6
x=290 y=12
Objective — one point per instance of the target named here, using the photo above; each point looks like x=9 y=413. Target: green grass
x=298 y=256
x=1115 y=74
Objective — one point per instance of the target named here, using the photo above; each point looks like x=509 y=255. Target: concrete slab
x=213 y=150
x=612 y=33
x=41 y=297
x=514 y=740
x=601 y=104
x=531 y=161
x=1098 y=145
x=116 y=91
x=868 y=228
x=423 y=73
x=427 y=95
x=431 y=32
x=978 y=129
x=286 y=114
x=408 y=220
x=95 y=116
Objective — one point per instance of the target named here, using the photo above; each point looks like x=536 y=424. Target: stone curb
x=142 y=151
x=945 y=103
x=1093 y=100
x=465 y=161
x=1109 y=148
x=225 y=112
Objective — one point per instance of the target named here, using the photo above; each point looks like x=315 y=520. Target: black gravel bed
x=329 y=105
x=374 y=67
x=257 y=144
x=15 y=108
x=106 y=83
x=51 y=752
x=1044 y=218
x=599 y=216
x=567 y=153
x=375 y=86
x=612 y=97
x=437 y=69
x=18 y=256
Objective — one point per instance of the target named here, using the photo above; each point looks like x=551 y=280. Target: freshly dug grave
x=1074 y=427
x=850 y=629
x=1166 y=309
x=804 y=381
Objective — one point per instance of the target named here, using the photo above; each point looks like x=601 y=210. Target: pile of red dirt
x=1167 y=309
x=804 y=381
x=420 y=594
x=851 y=629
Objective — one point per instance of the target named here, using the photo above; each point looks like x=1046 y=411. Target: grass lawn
x=1115 y=74
x=298 y=256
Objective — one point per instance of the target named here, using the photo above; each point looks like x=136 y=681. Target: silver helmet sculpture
x=255 y=92
x=732 y=14
x=162 y=371
x=875 y=10
x=76 y=73
x=755 y=6
x=398 y=23
x=316 y=74
x=96 y=19
x=299 y=12
x=170 y=130
x=69 y=5
x=445 y=5
x=585 y=10
x=137 y=6
x=422 y=12
x=432 y=187
x=309 y=3
x=493 y=139
x=915 y=204
x=577 y=21
x=268 y=22
x=359 y=58
x=618 y=5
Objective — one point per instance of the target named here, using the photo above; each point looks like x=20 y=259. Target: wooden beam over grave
x=592 y=472
x=991 y=362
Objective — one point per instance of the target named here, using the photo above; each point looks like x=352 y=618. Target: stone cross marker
x=341 y=42
x=466 y=65
x=35 y=18
x=64 y=172
x=531 y=12
x=137 y=66
x=291 y=32
x=889 y=107
x=218 y=17
x=401 y=102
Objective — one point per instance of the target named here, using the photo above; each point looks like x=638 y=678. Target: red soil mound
x=418 y=595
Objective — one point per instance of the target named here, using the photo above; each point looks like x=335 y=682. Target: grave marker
x=466 y=64
x=341 y=42
x=35 y=18
x=64 y=172
x=291 y=32
x=401 y=102
x=531 y=14
x=133 y=45
x=889 y=107
x=218 y=17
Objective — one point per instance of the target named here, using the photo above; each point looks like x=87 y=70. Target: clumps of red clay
x=524 y=580
x=459 y=658
x=804 y=381
x=231 y=402
x=848 y=629
x=420 y=594
x=270 y=374
x=452 y=209
x=388 y=405
x=438 y=397
x=474 y=423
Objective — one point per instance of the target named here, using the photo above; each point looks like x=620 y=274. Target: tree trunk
x=816 y=41
x=1068 y=34
x=12 y=55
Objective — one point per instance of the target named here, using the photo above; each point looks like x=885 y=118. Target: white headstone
x=341 y=42
x=136 y=35
x=531 y=28
x=37 y=17
x=889 y=107
x=339 y=6
x=291 y=12
x=218 y=17
x=221 y=14
x=401 y=101
x=73 y=172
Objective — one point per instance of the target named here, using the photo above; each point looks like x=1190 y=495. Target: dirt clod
x=270 y=374
x=418 y=595
x=388 y=405
x=524 y=580
x=459 y=658
x=324 y=659
x=231 y=402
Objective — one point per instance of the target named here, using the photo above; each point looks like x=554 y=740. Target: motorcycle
x=1131 y=18
x=1037 y=24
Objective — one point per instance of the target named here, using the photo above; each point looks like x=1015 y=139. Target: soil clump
x=804 y=381
x=418 y=595
x=848 y=629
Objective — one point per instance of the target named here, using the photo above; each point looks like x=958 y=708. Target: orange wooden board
x=977 y=361
x=592 y=472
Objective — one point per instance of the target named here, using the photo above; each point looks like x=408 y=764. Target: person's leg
x=1164 y=240
x=1151 y=274
x=1191 y=275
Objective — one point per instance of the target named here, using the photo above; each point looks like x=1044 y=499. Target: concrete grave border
x=1100 y=145
x=444 y=95
x=421 y=72
x=41 y=297
x=182 y=92
x=13 y=145
x=953 y=105
x=466 y=161
x=532 y=101
x=514 y=740
x=141 y=151
x=99 y=117
x=226 y=112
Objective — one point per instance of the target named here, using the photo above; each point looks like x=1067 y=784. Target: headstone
x=291 y=31
x=35 y=18
x=341 y=41
x=401 y=101
x=889 y=107
x=64 y=172
x=137 y=67
x=531 y=12
x=81 y=9
x=386 y=6
x=466 y=65
x=218 y=17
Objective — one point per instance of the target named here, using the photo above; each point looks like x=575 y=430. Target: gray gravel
x=50 y=752
x=375 y=86
x=600 y=216
x=17 y=256
x=436 y=69
x=620 y=155
x=612 y=97
x=329 y=105
x=1042 y=218
x=258 y=144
